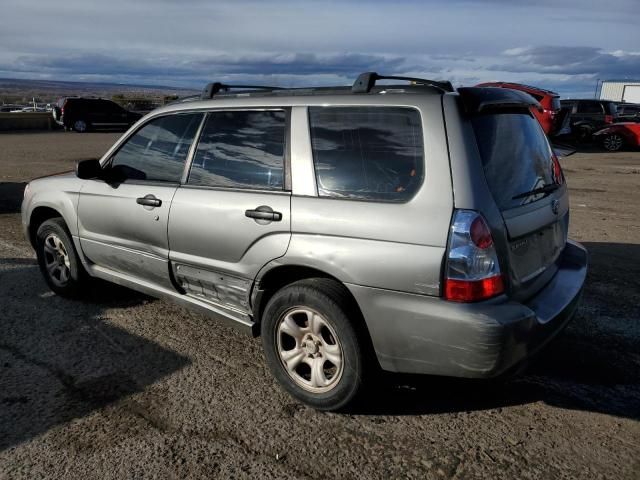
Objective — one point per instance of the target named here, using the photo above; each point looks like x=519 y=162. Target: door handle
x=149 y=201
x=264 y=212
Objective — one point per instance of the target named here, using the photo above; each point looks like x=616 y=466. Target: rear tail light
x=472 y=269
x=608 y=119
x=556 y=170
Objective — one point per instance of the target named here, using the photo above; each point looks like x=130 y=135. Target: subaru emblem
x=555 y=206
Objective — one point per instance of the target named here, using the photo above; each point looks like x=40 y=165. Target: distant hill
x=14 y=90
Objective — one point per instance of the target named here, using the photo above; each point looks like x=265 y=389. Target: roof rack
x=214 y=88
x=366 y=81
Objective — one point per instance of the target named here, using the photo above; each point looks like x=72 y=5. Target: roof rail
x=366 y=81
x=214 y=88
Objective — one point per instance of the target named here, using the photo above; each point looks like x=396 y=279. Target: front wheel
x=311 y=345
x=613 y=142
x=58 y=259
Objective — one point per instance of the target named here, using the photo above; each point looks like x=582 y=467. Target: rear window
x=516 y=156
x=367 y=153
x=555 y=103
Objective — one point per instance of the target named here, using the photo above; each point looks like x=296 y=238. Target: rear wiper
x=546 y=189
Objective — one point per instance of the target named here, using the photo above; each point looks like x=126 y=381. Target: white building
x=620 y=90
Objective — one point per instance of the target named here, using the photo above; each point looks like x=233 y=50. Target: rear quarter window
x=367 y=153
x=589 y=107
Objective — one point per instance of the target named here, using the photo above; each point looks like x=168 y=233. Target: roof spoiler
x=481 y=99
x=214 y=88
x=367 y=80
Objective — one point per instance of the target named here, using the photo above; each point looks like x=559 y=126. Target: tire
x=584 y=134
x=613 y=142
x=64 y=274
x=80 y=126
x=310 y=325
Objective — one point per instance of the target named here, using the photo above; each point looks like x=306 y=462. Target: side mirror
x=87 y=169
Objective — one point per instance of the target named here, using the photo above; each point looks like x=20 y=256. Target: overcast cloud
x=565 y=46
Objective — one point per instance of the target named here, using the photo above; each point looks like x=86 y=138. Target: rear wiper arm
x=546 y=189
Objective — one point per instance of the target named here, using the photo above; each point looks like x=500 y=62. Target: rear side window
x=367 y=153
x=589 y=107
x=158 y=151
x=516 y=156
x=241 y=149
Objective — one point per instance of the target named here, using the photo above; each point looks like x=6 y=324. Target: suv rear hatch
x=527 y=185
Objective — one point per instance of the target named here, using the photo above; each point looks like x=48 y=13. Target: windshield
x=516 y=157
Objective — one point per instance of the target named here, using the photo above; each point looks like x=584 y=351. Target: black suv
x=628 y=112
x=82 y=114
x=584 y=117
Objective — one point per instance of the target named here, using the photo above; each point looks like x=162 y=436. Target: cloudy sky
x=565 y=45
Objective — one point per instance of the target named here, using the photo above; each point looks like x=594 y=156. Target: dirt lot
x=123 y=386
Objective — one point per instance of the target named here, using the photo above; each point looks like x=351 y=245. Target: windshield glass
x=516 y=157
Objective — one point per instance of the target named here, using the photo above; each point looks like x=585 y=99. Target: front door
x=232 y=216
x=123 y=219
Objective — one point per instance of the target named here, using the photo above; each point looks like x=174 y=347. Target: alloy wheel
x=80 y=126
x=309 y=350
x=56 y=260
x=612 y=142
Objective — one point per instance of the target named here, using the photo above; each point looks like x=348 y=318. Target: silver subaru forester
x=410 y=228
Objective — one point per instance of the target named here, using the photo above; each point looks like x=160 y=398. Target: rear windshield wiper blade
x=546 y=189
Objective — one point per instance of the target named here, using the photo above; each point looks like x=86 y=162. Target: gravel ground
x=123 y=386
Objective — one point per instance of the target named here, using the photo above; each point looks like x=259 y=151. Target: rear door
x=589 y=112
x=123 y=222
x=232 y=215
x=527 y=185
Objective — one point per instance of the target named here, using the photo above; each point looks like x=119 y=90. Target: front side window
x=241 y=149
x=157 y=152
x=367 y=153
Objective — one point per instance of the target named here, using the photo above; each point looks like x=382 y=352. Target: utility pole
x=595 y=93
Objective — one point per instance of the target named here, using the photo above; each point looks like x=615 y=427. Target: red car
x=618 y=136
x=550 y=102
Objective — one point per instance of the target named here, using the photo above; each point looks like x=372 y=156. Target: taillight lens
x=472 y=270
x=608 y=119
x=556 y=171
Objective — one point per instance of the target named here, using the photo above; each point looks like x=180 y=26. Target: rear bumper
x=421 y=334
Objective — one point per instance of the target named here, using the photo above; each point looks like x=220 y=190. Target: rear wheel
x=584 y=134
x=80 y=126
x=58 y=259
x=311 y=345
x=613 y=142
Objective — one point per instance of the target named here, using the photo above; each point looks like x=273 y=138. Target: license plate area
x=532 y=254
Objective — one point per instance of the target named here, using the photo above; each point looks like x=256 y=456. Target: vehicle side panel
x=386 y=245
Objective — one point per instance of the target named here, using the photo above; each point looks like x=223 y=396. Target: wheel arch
x=38 y=216
x=279 y=276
